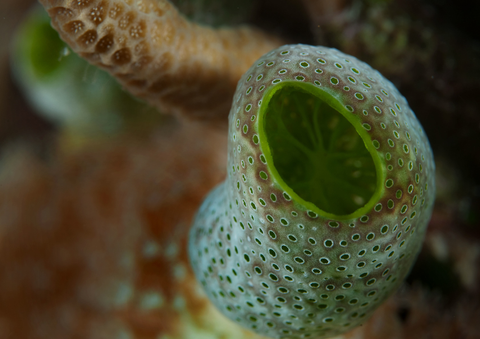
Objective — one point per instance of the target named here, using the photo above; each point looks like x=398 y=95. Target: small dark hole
x=403 y=314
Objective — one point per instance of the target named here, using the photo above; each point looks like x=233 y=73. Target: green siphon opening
x=321 y=154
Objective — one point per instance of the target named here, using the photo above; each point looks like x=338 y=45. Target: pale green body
x=285 y=255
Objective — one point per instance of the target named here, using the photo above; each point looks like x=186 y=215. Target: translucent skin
x=272 y=260
x=181 y=67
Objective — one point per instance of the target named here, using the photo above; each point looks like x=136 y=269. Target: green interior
x=42 y=45
x=318 y=154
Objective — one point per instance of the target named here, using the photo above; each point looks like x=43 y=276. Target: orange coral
x=92 y=244
x=181 y=67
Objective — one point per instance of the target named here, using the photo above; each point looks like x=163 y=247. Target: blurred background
x=97 y=189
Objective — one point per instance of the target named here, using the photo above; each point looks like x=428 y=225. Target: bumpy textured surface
x=57 y=85
x=280 y=265
x=181 y=67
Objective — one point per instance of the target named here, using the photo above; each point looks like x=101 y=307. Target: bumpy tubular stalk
x=180 y=67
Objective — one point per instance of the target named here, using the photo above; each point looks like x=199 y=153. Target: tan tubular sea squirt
x=330 y=187
x=181 y=67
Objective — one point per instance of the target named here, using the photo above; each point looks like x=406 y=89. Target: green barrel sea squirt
x=329 y=192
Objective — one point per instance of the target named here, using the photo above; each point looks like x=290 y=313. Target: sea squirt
x=329 y=192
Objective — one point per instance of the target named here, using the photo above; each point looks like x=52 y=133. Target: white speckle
x=249 y=283
x=179 y=272
x=127 y=260
x=150 y=249
x=150 y=301
x=439 y=246
x=65 y=51
x=136 y=32
x=179 y=303
x=358 y=200
x=96 y=14
x=124 y=294
x=124 y=334
x=171 y=251
x=77 y=27
x=249 y=239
